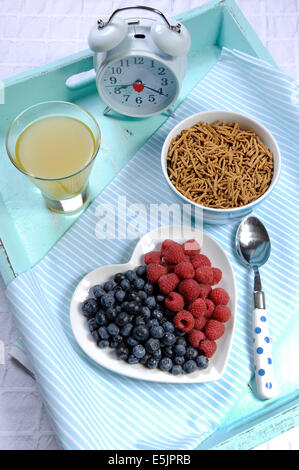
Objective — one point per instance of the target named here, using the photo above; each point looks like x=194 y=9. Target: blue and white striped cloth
x=93 y=408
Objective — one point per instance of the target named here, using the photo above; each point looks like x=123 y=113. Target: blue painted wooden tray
x=28 y=230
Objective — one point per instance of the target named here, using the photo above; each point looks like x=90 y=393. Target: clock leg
x=106 y=110
x=171 y=113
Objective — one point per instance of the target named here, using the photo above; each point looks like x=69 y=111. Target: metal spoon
x=253 y=248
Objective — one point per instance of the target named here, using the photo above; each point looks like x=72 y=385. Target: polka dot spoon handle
x=263 y=354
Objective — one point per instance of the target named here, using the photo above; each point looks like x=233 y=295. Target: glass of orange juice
x=55 y=144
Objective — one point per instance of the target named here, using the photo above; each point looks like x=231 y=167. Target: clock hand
x=157 y=91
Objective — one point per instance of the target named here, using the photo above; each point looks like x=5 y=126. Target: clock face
x=138 y=86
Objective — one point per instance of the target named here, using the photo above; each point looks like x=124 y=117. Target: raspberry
x=210 y=306
x=152 y=257
x=204 y=275
x=198 y=308
x=189 y=289
x=174 y=254
x=219 y=296
x=222 y=313
x=208 y=347
x=184 y=321
x=195 y=337
x=166 y=244
x=204 y=290
x=155 y=271
x=214 y=329
x=191 y=247
x=174 y=302
x=200 y=260
x=200 y=323
x=184 y=270
x=168 y=282
x=217 y=276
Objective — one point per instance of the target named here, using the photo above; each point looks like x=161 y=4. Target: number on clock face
x=138 y=86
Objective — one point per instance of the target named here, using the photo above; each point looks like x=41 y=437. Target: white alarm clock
x=139 y=62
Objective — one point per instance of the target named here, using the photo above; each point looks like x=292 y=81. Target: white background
x=35 y=32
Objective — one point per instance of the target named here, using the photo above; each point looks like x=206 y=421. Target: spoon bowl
x=253 y=242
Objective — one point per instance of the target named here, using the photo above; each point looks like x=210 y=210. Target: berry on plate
x=214 y=329
x=189 y=289
x=184 y=270
x=219 y=296
x=222 y=313
x=184 y=321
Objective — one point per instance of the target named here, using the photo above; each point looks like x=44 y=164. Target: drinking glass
x=66 y=194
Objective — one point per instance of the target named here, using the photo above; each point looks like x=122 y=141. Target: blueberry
x=145 y=358
x=152 y=345
x=140 y=333
x=150 y=302
x=141 y=271
x=157 y=314
x=124 y=305
x=132 y=296
x=148 y=288
x=168 y=352
x=122 y=352
x=177 y=370
x=125 y=285
x=126 y=329
x=113 y=329
x=139 y=320
x=89 y=307
x=168 y=327
x=165 y=364
x=157 y=332
x=142 y=295
x=152 y=322
x=132 y=359
x=95 y=335
x=151 y=363
x=202 y=361
x=181 y=341
x=145 y=313
x=160 y=298
x=191 y=353
x=179 y=350
x=98 y=291
x=119 y=277
x=103 y=333
x=139 y=283
x=189 y=366
x=109 y=286
x=139 y=351
x=111 y=313
x=131 y=341
x=179 y=360
x=157 y=354
x=115 y=341
x=119 y=295
x=169 y=339
x=92 y=325
x=103 y=343
x=122 y=318
x=133 y=307
x=179 y=333
x=100 y=319
x=131 y=275
x=107 y=300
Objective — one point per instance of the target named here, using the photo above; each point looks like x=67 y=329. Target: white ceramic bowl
x=221 y=216
x=152 y=241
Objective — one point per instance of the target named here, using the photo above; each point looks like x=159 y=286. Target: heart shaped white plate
x=152 y=241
